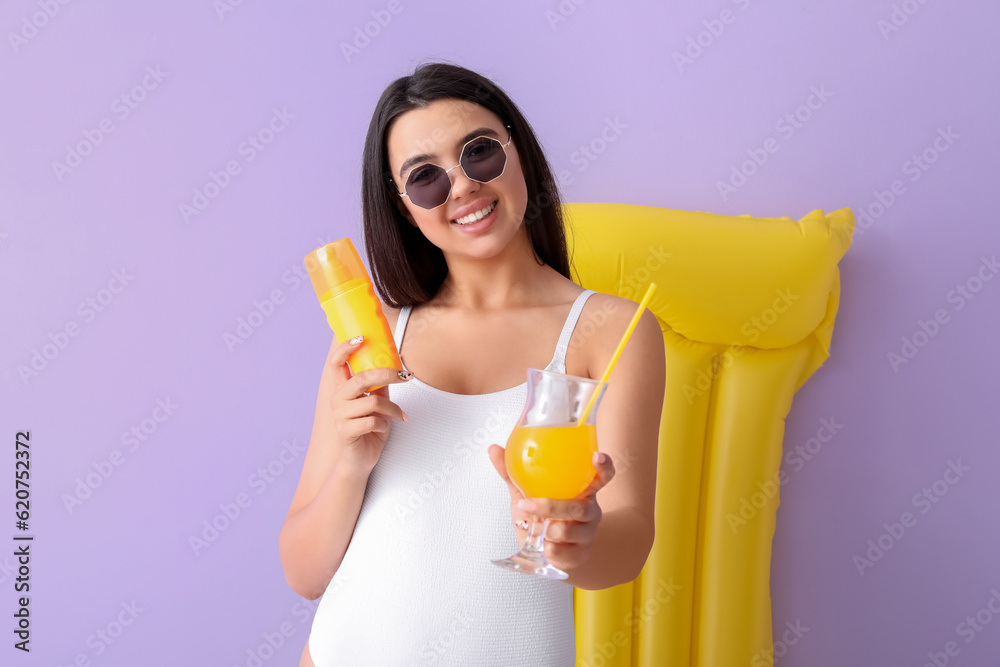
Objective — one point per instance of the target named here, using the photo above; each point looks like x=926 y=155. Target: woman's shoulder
x=619 y=311
x=603 y=322
x=609 y=307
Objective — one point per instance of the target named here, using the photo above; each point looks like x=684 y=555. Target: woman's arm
x=349 y=431
x=314 y=538
x=326 y=504
x=602 y=538
x=628 y=432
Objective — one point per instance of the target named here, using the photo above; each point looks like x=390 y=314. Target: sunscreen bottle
x=346 y=293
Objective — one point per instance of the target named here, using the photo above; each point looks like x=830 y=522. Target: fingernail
x=406 y=417
x=405 y=375
x=600 y=457
x=526 y=505
x=356 y=340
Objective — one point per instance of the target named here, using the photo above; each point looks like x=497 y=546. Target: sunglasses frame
x=451 y=183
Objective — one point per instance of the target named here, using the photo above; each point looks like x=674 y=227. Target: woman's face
x=440 y=131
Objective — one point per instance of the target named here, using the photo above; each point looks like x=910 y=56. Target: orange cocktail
x=551 y=461
x=549 y=454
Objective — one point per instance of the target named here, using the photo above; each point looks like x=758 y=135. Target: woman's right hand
x=363 y=420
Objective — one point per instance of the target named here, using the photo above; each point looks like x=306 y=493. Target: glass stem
x=535 y=542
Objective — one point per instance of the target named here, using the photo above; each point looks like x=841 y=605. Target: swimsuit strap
x=558 y=363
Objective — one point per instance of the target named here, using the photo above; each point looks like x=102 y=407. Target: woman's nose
x=462 y=185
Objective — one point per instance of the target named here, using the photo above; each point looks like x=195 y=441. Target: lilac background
x=162 y=337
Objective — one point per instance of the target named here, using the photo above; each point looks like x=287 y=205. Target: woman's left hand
x=572 y=523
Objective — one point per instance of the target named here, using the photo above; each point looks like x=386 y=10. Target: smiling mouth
x=477 y=216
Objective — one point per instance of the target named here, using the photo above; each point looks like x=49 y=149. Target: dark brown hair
x=407 y=269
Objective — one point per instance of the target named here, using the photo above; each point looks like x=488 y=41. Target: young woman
x=404 y=498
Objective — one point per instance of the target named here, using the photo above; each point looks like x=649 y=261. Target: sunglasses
x=483 y=160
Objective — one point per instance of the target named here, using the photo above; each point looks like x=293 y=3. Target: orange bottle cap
x=334 y=268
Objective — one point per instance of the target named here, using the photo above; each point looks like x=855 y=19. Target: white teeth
x=473 y=217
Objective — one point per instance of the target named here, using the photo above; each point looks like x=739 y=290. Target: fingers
x=571 y=532
x=568 y=510
x=567 y=555
x=352 y=386
x=496 y=453
x=373 y=377
x=338 y=360
x=376 y=402
x=360 y=382
x=604 y=468
x=357 y=409
x=355 y=428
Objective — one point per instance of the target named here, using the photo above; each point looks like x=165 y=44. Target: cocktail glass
x=549 y=455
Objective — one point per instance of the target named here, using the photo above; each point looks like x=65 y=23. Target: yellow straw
x=618 y=352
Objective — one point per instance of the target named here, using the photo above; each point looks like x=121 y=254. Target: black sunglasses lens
x=428 y=186
x=483 y=159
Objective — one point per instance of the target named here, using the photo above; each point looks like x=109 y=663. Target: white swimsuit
x=416 y=586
